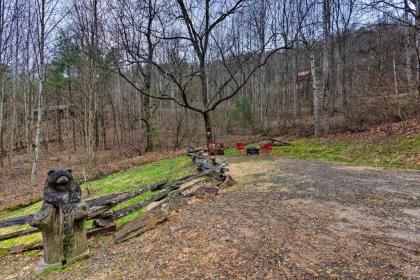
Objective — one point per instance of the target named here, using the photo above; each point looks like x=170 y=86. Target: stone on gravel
x=206 y=191
x=176 y=201
x=227 y=183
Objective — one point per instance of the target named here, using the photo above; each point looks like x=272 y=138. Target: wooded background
x=83 y=76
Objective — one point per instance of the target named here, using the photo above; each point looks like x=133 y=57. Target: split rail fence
x=101 y=210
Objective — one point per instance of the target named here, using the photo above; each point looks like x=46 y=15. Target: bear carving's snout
x=62 y=180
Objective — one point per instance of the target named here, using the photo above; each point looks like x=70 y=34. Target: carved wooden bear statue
x=61 y=221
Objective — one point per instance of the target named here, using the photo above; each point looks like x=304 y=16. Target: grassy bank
x=122 y=181
x=402 y=153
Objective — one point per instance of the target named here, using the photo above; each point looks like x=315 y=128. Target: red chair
x=266 y=148
x=240 y=147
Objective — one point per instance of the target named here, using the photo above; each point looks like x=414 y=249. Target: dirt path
x=285 y=219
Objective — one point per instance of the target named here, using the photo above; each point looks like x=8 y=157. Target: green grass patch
x=231 y=152
x=401 y=153
x=128 y=180
x=144 y=175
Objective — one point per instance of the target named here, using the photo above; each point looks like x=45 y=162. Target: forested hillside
x=82 y=77
x=209 y=139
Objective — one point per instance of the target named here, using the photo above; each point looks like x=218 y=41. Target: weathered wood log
x=38 y=246
x=191 y=177
x=24 y=248
x=150 y=219
x=195 y=155
x=109 y=201
x=97 y=212
x=105 y=219
x=169 y=187
x=106 y=199
x=113 y=199
x=198 y=156
x=103 y=222
x=194 y=150
x=111 y=227
x=132 y=208
x=158 y=187
x=103 y=211
x=217 y=174
x=277 y=142
x=174 y=200
x=21 y=220
x=140 y=224
x=18 y=233
x=204 y=164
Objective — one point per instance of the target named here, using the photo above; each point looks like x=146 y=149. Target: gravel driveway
x=284 y=219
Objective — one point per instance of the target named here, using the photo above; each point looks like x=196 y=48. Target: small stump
x=216 y=149
x=61 y=221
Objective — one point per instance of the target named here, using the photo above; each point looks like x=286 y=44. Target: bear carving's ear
x=69 y=170
x=50 y=172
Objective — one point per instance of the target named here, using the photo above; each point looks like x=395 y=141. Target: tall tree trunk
x=286 y=88
x=103 y=125
x=147 y=118
x=115 y=124
x=59 y=128
x=394 y=68
x=294 y=84
x=26 y=101
x=341 y=90
x=41 y=74
x=85 y=115
x=417 y=29
x=14 y=115
x=13 y=133
x=91 y=124
x=38 y=128
x=204 y=96
x=1 y=117
x=28 y=86
x=396 y=88
x=208 y=128
x=326 y=67
x=408 y=55
x=315 y=94
x=97 y=128
x=91 y=90
x=264 y=96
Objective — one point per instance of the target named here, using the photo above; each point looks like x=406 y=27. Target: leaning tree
x=197 y=47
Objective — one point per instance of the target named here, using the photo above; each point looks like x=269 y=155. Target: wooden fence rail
x=101 y=207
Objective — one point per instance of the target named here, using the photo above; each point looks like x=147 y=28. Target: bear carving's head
x=60 y=187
